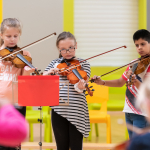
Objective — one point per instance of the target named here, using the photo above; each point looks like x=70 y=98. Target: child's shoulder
x=82 y=60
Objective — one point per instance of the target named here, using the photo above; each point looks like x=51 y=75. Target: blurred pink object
x=13 y=126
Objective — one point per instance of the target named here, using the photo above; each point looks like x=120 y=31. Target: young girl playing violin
x=10 y=32
x=133 y=115
x=70 y=123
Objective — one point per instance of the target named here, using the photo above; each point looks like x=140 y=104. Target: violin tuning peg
x=93 y=90
x=39 y=70
x=33 y=73
x=86 y=94
x=91 y=86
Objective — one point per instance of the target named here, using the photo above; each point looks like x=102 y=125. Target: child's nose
x=139 y=47
x=12 y=38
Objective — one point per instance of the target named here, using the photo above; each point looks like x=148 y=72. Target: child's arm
x=114 y=83
x=111 y=83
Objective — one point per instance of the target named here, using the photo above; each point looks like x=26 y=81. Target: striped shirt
x=132 y=91
x=77 y=111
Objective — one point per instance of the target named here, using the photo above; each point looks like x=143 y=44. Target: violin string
x=38 y=41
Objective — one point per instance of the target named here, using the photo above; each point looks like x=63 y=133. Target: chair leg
x=90 y=133
x=96 y=129
x=126 y=134
x=31 y=132
x=108 y=130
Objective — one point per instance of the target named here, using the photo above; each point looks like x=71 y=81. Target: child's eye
x=15 y=36
x=137 y=45
x=8 y=36
x=71 y=47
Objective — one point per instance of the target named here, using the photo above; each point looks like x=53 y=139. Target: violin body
x=139 y=67
x=67 y=71
x=7 y=51
x=63 y=67
x=18 y=63
x=74 y=79
x=72 y=69
x=142 y=65
x=18 y=59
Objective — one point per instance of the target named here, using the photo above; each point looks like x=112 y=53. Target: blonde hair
x=9 y=22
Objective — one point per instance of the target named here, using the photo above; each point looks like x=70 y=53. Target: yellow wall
x=114 y=93
x=1 y=10
x=68 y=20
x=142 y=14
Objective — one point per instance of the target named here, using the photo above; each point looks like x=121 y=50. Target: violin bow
x=92 y=80
x=72 y=66
x=29 y=45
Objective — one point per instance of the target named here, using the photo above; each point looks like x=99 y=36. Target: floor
x=117 y=130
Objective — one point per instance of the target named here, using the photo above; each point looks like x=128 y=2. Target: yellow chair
x=100 y=95
x=32 y=116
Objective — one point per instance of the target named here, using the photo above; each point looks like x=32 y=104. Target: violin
x=72 y=69
x=15 y=55
x=67 y=69
x=139 y=67
x=18 y=59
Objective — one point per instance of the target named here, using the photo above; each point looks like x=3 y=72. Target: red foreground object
x=38 y=90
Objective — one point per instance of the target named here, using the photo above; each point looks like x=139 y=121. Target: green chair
x=32 y=116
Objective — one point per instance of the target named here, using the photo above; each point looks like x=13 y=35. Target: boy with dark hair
x=133 y=115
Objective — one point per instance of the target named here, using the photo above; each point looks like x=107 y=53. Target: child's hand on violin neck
x=81 y=84
x=128 y=73
x=28 y=70
x=97 y=80
x=133 y=79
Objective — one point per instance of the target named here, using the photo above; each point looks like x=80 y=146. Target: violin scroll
x=37 y=72
x=90 y=92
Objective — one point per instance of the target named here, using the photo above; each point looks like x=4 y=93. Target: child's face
x=142 y=47
x=69 y=45
x=10 y=37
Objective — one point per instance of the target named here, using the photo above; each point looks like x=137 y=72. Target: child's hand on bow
x=98 y=80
